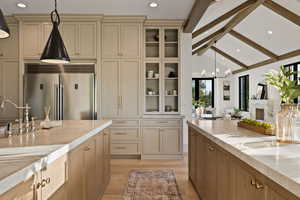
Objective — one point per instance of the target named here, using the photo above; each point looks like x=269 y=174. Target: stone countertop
x=278 y=161
x=22 y=156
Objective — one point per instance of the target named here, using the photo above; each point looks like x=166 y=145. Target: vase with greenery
x=288 y=90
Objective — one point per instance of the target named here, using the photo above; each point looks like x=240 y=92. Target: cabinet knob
x=259 y=186
x=253 y=182
x=210 y=148
x=48 y=180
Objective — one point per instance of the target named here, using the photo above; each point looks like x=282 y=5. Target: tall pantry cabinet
x=9 y=70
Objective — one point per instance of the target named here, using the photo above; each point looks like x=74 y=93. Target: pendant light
x=216 y=70
x=55 y=51
x=4 y=30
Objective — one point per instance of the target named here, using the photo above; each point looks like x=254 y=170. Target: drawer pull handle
x=210 y=148
x=120 y=148
x=120 y=122
x=163 y=122
x=87 y=149
x=259 y=186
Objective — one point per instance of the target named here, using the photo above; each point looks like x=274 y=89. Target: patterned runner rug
x=152 y=185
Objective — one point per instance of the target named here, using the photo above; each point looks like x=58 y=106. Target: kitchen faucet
x=20 y=121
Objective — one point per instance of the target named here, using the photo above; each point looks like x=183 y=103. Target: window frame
x=246 y=103
x=197 y=80
x=295 y=69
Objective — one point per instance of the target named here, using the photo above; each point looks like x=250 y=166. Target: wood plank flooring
x=120 y=169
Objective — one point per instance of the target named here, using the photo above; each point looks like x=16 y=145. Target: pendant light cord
x=215 y=60
x=55 y=18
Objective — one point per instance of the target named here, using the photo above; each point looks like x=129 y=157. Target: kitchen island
x=231 y=163
x=59 y=163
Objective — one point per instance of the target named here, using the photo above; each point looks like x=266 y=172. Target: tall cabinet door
x=129 y=88
x=87 y=40
x=130 y=40
x=31 y=40
x=69 y=35
x=9 y=48
x=210 y=176
x=110 y=40
x=110 y=89
x=9 y=87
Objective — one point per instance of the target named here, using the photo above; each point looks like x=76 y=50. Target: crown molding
x=124 y=18
x=164 y=22
x=64 y=17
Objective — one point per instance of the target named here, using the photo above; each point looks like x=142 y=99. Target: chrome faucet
x=20 y=121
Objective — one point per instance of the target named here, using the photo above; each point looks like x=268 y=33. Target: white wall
x=256 y=76
x=186 y=84
x=204 y=62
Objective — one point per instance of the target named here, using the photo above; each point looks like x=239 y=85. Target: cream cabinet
x=9 y=87
x=9 y=47
x=34 y=38
x=80 y=39
x=121 y=40
x=160 y=140
x=23 y=191
x=120 y=88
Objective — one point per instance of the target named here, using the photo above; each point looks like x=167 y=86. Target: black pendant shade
x=4 y=30
x=55 y=50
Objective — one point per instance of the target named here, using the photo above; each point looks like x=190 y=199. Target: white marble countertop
x=23 y=156
x=277 y=161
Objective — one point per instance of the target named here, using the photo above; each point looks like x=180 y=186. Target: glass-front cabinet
x=162 y=70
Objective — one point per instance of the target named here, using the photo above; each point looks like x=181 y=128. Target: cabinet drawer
x=125 y=123
x=54 y=176
x=161 y=123
x=123 y=149
x=124 y=133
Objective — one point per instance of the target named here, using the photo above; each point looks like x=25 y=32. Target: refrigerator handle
x=61 y=102
x=56 y=103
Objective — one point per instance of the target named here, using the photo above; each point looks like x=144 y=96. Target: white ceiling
x=168 y=9
x=285 y=37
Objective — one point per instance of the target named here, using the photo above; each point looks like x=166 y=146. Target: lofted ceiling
x=167 y=9
x=256 y=27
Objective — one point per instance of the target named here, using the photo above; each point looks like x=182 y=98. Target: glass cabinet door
x=152 y=87
x=152 y=43
x=171 y=87
x=171 y=43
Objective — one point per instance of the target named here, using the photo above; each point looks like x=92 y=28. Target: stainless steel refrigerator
x=68 y=89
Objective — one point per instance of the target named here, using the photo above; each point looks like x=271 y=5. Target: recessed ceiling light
x=153 y=5
x=21 y=5
x=270 y=32
x=238 y=50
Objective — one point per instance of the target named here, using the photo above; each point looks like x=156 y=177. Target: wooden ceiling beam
x=195 y=15
x=282 y=11
x=253 y=44
x=222 y=18
x=198 y=44
x=270 y=61
x=229 y=57
x=230 y=25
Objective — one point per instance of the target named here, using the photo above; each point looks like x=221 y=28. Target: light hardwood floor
x=122 y=167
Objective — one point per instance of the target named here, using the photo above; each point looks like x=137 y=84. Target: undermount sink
x=264 y=144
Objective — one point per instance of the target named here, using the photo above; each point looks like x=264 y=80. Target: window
x=295 y=67
x=244 y=93
x=203 y=91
